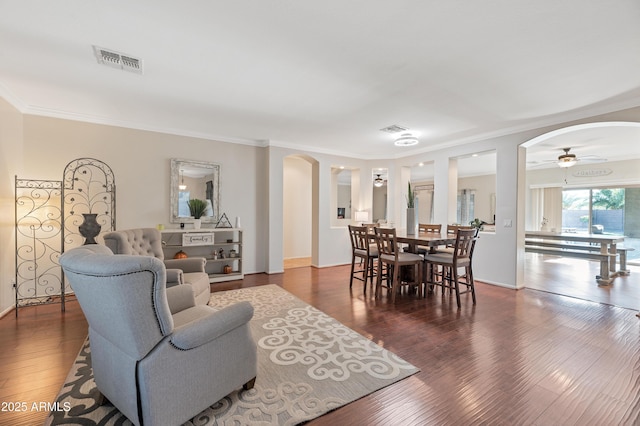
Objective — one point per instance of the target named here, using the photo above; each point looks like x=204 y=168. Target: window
x=466 y=206
x=593 y=210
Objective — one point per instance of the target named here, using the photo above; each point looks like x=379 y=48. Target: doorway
x=297 y=211
x=594 y=195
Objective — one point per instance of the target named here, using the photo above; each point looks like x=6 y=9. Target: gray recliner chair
x=148 y=242
x=156 y=355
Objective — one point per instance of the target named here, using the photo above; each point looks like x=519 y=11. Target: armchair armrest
x=209 y=327
x=180 y=297
x=191 y=264
x=174 y=277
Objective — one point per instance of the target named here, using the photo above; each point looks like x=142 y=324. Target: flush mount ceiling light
x=406 y=139
x=378 y=181
x=566 y=159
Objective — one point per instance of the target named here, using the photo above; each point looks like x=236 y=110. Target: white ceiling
x=327 y=76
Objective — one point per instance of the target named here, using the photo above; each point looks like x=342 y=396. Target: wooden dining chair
x=450 y=264
x=429 y=227
x=366 y=253
x=390 y=255
x=452 y=231
x=371 y=226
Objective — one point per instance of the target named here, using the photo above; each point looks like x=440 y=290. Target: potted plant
x=477 y=223
x=411 y=211
x=197 y=208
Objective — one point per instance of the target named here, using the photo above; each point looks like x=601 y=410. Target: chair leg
x=378 y=290
x=457 y=288
x=250 y=384
x=101 y=399
x=418 y=277
x=432 y=277
x=365 y=272
x=471 y=284
x=395 y=283
x=370 y=274
x=353 y=264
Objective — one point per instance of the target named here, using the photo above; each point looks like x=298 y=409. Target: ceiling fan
x=568 y=159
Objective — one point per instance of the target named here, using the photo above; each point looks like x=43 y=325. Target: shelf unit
x=204 y=242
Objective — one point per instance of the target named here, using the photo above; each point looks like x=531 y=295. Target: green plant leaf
x=197 y=207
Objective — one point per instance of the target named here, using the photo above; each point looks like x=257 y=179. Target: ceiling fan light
x=406 y=140
x=567 y=162
x=566 y=159
x=378 y=182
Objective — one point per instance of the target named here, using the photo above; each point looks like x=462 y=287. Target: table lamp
x=362 y=217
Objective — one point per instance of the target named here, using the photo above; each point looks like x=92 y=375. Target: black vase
x=90 y=228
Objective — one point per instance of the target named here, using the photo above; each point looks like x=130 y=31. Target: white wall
x=140 y=161
x=379 y=203
x=331 y=242
x=11 y=164
x=484 y=186
x=297 y=207
x=252 y=182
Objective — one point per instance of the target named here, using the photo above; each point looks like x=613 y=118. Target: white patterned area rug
x=308 y=364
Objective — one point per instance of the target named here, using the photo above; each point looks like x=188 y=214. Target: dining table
x=433 y=240
x=606 y=242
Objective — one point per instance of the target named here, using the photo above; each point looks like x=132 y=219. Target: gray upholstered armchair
x=158 y=357
x=148 y=242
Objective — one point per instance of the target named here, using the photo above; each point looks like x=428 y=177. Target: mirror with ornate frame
x=194 y=179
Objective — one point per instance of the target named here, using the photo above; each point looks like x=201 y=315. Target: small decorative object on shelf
x=197 y=238
x=227 y=269
x=197 y=208
x=224 y=222
x=180 y=255
x=216 y=249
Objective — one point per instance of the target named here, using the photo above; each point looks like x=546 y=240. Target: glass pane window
x=593 y=210
x=607 y=211
x=466 y=206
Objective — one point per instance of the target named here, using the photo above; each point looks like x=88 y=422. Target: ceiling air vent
x=394 y=128
x=118 y=60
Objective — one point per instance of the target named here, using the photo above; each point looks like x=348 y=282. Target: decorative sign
x=592 y=172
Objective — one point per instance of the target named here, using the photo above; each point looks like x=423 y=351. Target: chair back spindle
x=429 y=227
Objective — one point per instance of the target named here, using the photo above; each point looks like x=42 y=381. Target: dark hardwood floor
x=576 y=278
x=524 y=357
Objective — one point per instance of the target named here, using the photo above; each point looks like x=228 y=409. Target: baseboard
x=6 y=311
x=497 y=284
